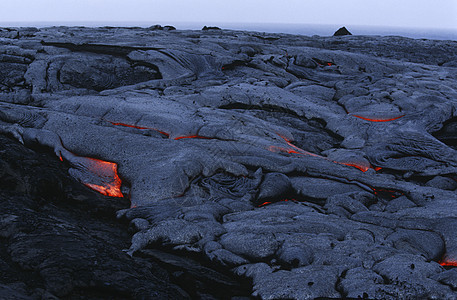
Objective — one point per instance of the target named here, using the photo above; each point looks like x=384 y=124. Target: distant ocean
x=302 y=29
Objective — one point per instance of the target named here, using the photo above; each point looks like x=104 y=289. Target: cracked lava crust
x=309 y=166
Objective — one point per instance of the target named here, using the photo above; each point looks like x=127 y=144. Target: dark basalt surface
x=310 y=166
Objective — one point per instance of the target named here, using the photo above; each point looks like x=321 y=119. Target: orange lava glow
x=282 y=200
x=378 y=119
x=361 y=167
x=107 y=171
x=448 y=263
x=139 y=127
x=60 y=157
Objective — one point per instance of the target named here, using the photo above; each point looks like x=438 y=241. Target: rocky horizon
x=302 y=167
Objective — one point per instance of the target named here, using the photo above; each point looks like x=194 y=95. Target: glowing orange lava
x=110 y=184
x=448 y=263
x=378 y=119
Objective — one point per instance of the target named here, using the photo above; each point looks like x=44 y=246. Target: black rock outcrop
x=210 y=28
x=342 y=31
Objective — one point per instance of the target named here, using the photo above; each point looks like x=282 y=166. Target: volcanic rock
x=310 y=166
x=210 y=28
x=342 y=31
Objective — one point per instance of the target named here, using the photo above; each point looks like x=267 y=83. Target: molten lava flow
x=97 y=174
x=139 y=127
x=378 y=119
x=107 y=171
x=448 y=263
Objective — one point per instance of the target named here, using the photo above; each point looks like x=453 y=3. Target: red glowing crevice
x=296 y=150
x=293 y=149
x=139 y=127
x=160 y=131
x=282 y=200
x=128 y=125
x=361 y=167
x=378 y=119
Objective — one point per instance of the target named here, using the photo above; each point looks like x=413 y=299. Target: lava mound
x=342 y=31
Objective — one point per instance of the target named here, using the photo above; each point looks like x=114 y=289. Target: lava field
x=161 y=163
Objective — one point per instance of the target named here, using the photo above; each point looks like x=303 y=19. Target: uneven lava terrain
x=308 y=166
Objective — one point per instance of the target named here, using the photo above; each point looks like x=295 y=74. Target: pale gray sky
x=400 y=13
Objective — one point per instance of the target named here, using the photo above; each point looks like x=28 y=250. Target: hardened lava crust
x=305 y=167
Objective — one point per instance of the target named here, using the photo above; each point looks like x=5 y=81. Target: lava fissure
x=195 y=136
x=139 y=127
x=378 y=119
x=296 y=150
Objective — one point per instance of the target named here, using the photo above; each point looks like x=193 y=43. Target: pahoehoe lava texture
x=312 y=166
